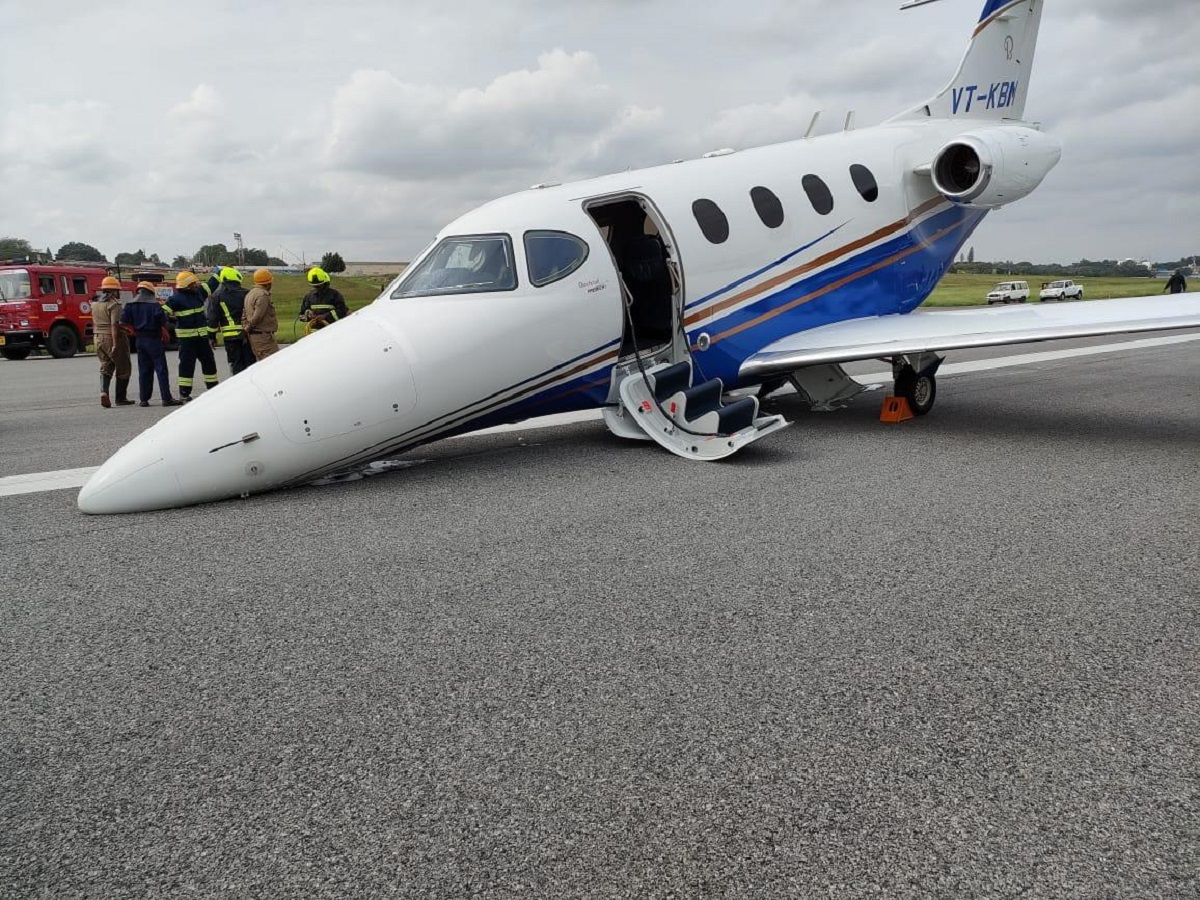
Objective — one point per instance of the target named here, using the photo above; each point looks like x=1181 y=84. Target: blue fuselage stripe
x=922 y=255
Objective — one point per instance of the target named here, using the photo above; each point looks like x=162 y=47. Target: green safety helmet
x=317 y=275
x=229 y=273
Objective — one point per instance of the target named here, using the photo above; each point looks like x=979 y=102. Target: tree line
x=220 y=255
x=1085 y=268
x=208 y=255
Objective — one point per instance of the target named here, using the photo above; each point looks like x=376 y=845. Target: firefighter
x=258 y=317
x=186 y=307
x=225 y=315
x=144 y=314
x=112 y=344
x=324 y=304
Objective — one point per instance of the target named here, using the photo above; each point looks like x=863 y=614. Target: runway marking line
x=66 y=479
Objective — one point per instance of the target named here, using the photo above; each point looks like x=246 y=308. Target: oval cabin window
x=818 y=194
x=864 y=181
x=768 y=207
x=711 y=220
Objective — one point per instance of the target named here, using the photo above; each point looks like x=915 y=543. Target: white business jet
x=650 y=295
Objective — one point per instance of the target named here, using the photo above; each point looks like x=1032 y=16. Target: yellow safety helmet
x=229 y=273
x=317 y=275
x=185 y=280
x=145 y=286
x=110 y=284
x=263 y=276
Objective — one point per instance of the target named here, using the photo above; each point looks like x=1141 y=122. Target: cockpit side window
x=552 y=255
x=466 y=264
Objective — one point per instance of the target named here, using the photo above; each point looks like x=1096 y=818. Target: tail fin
x=993 y=79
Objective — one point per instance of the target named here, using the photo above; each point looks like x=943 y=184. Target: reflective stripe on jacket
x=189 y=318
x=230 y=329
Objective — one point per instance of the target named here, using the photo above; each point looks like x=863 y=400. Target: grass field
x=971 y=290
x=289 y=290
x=954 y=290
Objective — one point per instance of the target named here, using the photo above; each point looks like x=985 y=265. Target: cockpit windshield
x=470 y=264
x=14 y=284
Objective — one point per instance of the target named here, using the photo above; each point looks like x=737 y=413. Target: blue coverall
x=146 y=317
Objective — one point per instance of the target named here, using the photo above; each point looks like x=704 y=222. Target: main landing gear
x=916 y=382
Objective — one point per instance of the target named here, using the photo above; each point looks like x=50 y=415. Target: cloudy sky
x=365 y=125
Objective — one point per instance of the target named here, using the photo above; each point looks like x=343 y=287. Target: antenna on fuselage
x=849 y=126
x=812 y=124
x=913 y=3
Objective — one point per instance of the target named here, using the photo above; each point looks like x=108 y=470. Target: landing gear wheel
x=919 y=390
x=63 y=341
x=15 y=352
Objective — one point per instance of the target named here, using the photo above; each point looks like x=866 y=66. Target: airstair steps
x=691 y=421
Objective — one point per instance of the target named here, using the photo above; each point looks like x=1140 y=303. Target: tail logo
x=1008 y=47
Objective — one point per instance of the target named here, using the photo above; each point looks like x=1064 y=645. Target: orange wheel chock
x=895 y=409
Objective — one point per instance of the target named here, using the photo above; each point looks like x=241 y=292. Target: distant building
x=374 y=268
x=1144 y=263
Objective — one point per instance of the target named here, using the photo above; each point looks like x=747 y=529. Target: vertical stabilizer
x=993 y=79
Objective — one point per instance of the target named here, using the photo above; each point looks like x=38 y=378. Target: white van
x=1009 y=292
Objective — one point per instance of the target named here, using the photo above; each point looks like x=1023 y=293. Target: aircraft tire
x=919 y=390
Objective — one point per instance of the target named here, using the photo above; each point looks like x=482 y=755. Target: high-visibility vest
x=202 y=331
x=231 y=329
x=325 y=307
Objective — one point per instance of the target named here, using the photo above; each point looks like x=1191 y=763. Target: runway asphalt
x=958 y=657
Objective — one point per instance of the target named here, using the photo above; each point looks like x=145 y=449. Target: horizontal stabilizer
x=881 y=337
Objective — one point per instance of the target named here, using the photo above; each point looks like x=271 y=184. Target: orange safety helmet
x=263 y=276
x=145 y=286
x=185 y=280
x=110 y=284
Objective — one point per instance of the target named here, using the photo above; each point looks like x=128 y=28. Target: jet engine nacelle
x=990 y=167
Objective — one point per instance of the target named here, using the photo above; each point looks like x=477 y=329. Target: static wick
x=244 y=439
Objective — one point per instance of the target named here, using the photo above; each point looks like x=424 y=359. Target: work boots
x=122 y=393
x=104 y=401
x=171 y=401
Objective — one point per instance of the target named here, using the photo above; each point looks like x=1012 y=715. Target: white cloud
x=74 y=141
x=529 y=119
x=205 y=130
x=368 y=128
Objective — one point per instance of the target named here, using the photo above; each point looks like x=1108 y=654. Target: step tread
x=672 y=380
x=737 y=415
x=702 y=399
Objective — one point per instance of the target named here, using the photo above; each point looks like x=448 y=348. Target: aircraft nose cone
x=337 y=396
x=135 y=479
x=198 y=453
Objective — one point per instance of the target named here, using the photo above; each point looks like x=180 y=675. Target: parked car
x=1009 y=292
x=1061 y=290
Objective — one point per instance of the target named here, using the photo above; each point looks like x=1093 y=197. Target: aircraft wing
x=880 y=337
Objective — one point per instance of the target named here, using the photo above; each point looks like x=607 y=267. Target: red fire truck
x=50 y=305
